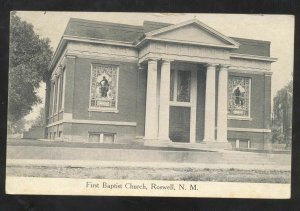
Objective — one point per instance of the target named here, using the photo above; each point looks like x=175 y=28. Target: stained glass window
x=238 y=96
x=180 y=86
x=183 y=86
x=104 y=86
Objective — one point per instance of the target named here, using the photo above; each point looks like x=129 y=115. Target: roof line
x=209 y=29
x=106 y=23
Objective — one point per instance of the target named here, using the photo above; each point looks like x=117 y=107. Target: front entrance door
x=182 y=98
x=179 y=124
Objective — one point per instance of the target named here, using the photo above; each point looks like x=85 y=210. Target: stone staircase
x=210 y=146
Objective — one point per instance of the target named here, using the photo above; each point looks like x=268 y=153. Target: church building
x=160 y=84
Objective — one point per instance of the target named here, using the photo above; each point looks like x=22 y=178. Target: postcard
x=150 y=104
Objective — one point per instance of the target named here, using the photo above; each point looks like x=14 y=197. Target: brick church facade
x=160 y=84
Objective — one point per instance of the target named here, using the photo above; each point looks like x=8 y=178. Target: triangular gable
x=192 y=31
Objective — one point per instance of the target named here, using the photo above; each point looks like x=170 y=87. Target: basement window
x=242 y=143
x=102 y=137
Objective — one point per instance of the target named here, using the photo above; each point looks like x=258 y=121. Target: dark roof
x=103 y=30
x=151 y=26
x=131 y=33
x=252 y=47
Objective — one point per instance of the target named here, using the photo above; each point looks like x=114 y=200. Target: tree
x=39 y=121
x=17 y=127
x=282 y=115
x=29 y=58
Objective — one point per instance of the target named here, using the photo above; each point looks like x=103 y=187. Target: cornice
x=253 y=57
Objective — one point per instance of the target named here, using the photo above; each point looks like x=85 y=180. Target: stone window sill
x=239 y=118
x=103 y=110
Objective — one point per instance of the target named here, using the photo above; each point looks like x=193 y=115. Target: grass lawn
x=139 y=173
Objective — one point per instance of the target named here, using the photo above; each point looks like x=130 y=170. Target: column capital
x=140 y=67
x=211 y=65
x=268 y=73
x=54 y=77
x=166 y=60
x=152 y=60
x=71 y=56
x=224 y=66
x=59 y=69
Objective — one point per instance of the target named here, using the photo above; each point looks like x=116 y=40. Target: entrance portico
x=158 y=102
x=165 y=51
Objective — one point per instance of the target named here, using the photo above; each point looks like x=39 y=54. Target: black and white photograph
x=150 y=104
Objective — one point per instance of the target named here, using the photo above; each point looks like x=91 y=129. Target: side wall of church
x=260 y=112
x=127 y=92
x=77 y=102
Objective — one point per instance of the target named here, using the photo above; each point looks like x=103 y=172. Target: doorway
x=179 y=124
x=183 y=90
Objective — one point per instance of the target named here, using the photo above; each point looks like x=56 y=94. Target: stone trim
x=254 y=130
x=249 y=71
x=95 y=122
x=253 y=57
x=55 y=123
x=186 y=42
x=242 y=118
x=95 y=40
x=199 y=23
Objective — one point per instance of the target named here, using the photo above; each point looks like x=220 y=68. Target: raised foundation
x=202 y=145
x=157 y=143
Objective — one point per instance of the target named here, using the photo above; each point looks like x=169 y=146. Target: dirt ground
x=139 y=173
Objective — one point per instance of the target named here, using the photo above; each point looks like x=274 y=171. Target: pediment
x=192 y=31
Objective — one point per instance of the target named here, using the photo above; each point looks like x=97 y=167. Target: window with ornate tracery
x=180 y=86
x=104 y=87
x=239 y=93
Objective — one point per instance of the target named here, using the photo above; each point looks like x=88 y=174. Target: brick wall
x=260 y=111
x=127 y=92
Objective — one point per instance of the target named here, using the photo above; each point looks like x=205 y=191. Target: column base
x=222 y=141
x=209 y=140
x=217 y=144
x=157 y=142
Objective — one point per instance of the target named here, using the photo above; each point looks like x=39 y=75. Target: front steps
x=211 y=146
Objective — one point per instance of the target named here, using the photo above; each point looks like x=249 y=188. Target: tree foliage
x=39 y=121
x=282 y=115
x=29 y=58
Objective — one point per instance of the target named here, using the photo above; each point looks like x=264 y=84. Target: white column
x=193 y=115
x=151 y=112
x=57 y=94
x=101 y=137
x=164 y=100
x=53 y=96
x=210 y=91
x=222 y=105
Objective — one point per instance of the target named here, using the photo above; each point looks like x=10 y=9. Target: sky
x=278 y=29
